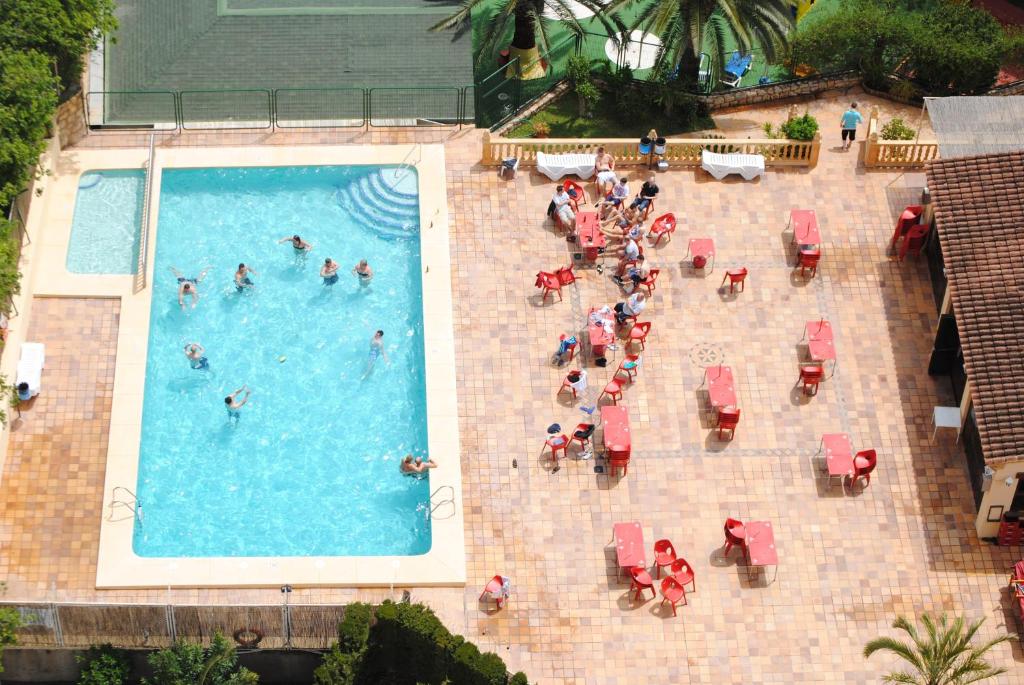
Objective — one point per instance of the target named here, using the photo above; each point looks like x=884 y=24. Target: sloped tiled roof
x=979 y=210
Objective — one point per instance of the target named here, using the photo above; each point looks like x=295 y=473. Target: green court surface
x=220 y=45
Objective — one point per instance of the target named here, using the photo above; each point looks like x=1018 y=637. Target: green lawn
x=561 y=114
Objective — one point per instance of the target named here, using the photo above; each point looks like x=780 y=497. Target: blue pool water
x=310 y=468
x=106 y=227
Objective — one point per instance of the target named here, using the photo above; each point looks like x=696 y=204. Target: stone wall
x=70 y=120
x=776 y=92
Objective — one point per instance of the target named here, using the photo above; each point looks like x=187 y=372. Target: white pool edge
x=118 y=567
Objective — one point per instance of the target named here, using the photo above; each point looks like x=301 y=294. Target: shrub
x=905 y=90
x=103 y=665
x=957 y=49
x=541 y=128
x=10 y=621
x=354 y=629
x=518 y=679
x=28 y=96
x=187 y=664
x=897 y=130
x=800 y=128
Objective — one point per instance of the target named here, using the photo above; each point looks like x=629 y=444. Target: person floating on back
x=329 y=272
x=188 y=287
x=196 y=356
x=233 y=404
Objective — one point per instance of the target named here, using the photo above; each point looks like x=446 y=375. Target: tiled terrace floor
x=848 y=564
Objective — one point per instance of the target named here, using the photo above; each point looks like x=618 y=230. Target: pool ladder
x=132 y=503
x=437 y=500
x=406 y=165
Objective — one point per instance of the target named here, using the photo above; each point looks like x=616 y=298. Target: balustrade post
x=486 y=159
x=812 y=160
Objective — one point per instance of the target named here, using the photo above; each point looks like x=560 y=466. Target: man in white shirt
x=563 y=208
x=631 y=308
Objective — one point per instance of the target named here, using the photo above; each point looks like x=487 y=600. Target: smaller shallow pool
x=108 y=216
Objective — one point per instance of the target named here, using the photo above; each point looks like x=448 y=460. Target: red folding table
x=761 y=545
x=702 y=247
x=805 y=227
x=721 y=387
x=599 y=335
x=589 y=235
x=838 y=456
x=617 y=440
x=629 y=545
x=821 y=342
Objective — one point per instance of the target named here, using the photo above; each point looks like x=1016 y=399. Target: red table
x=589 y=235
x=761 y=544
x=617 y=442
x=821 y=342
x=629 y=545
x=721 y=387
x=838 y=455
x=599 y=335
x=702 y=247
x=805 y=227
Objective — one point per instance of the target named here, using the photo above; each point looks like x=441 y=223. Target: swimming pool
x=108 y=216
x=310 y=468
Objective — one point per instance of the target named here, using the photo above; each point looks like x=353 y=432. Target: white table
x=946 y=417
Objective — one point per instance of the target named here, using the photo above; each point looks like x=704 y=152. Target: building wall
x=1000 y=494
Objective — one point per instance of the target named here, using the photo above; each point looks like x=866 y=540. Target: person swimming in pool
x=233 y=404
x=196 y=356
x=363 y=272
x=410 y=466
x=298 y=244
x=376 y=350
x=329 y=272
x=188 y=287
x=242 y=280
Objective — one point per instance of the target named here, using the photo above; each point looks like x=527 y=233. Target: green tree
x=190 y=664
x=689 y=27
x=957 y=49
x=525 y=19
x=944 y=655
x=65 y=30
x=28 y=96
x=10 y=621
x=103 y=665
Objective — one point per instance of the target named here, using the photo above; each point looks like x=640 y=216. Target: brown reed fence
x=297 y=626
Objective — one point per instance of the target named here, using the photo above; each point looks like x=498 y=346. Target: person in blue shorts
x=242 y=280
x=233 y=404
x=196 y=356
x=850 y=120
x=188 y=287
x=376 y=351
x=329 y=271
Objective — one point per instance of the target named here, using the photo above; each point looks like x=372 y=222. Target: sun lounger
x=736 y=69
x=30 y=367
x=557 y=166
x=721 y=165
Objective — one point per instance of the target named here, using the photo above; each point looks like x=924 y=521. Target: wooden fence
x=678 y=152
x=896 y=153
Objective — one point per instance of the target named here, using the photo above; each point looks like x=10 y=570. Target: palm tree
x=945 y=656
x=529 y=25
x=688 y=27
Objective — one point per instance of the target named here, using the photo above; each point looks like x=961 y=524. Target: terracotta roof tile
x=979 y=210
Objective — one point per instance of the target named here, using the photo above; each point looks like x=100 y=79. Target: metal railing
x=284 y=108
x=142 y=263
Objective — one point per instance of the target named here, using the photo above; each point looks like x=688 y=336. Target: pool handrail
x=140 y=283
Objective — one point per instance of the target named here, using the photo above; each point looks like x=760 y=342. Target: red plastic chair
x=567 y=384
x=615 y=464
x=565 y=275
x=683 y=573
x=913 y=241
x=735 y=536
x=649 y=281
x=672 y=592
x=736 y=276
x=664 y=226
x=556 y=443
x=910 y=216
x=641 y=580
x=664 y=554
x=572 y=348
x=581 y=194
x=632 y=370
x=549 y=283
x=493 y=588
x=639 y=333
x=581 y=428
x=613 y=390
x=809 y=260
x=864 y=463
x=811 y=377
x=728 y=419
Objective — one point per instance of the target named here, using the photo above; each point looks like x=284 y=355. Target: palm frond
x=902 y=677
x=457 y=19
